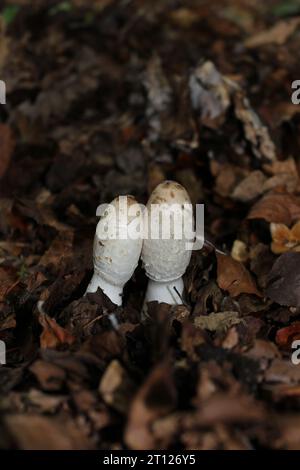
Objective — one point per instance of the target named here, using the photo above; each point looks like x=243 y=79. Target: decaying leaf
x=53 y=335
x=278 y=34
x=285 y=239
x=219 y=322
x=212 y=94
x=250 y=187
x=285 y=336
x=233 y=277
x=256 y=132
x=154 y=399
x=283 y=371
x=104 y=99
x=35 y=432
x=239 y=251
x=284 y=280
x=209 y=94
x=116 y=387
x=6 y=148
x=280 y=208
x=50 y=376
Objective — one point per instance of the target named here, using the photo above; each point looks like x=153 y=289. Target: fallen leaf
x=53 y=335
x=282 y=371
x=285 y=336
x=44 y=402
x=285 y=239
x=233 y=277
x=116 y=387
x=226 y=177
x=155 y=398
x=50 y=376
x=250 y=187
x=256 y=132
x=278 y=34
x=263 y=349
x=210 y=95
x=280 y=208
x=34 y=432
x=7 y=145
x=283 y=284
x=289 y=438
x=226 y=408
x=218 y=322
x=231 y=339
x=8 y=281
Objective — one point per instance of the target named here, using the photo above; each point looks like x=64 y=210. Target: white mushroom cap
x=166 y=259
x=116 y=253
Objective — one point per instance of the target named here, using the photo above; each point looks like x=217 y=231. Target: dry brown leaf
x=250 y=187
x=60 y=248
x=278 y=34
x=256 y=133
x=285 y=336
x=116 y=387
x=210 y=94
x=8 y=281
x=282 y=371
x=218 y=322
x=289 y=438
x=53 y=335
x=283 y=284
x=285 y=239
x=7 y=145
x=34 y=432
x=229 y=408
x=233 y=277
x=280 y=208
x=50 y=376
x=155 y=398
x=226 y=177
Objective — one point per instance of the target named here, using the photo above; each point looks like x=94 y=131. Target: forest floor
x=112 y=97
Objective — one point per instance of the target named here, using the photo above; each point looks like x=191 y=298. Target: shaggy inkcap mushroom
x=117 y=247
x=166 y=253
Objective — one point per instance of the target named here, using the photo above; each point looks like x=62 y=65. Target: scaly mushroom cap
x=169 y=213
x=116 y=253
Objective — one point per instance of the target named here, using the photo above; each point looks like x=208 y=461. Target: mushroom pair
x=161 y=235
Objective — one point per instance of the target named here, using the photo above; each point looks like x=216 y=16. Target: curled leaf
x=53 y=335
x=280 y=208
x=233 y=277
x=285 y=239
x=283 y=284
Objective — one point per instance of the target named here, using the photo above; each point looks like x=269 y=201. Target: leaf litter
x=103 y=101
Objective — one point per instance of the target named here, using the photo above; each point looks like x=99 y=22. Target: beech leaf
x=234 y=277
x=283 y=284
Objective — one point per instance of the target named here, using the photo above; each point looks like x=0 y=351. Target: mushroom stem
x=112 y=291
x=170 y=292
